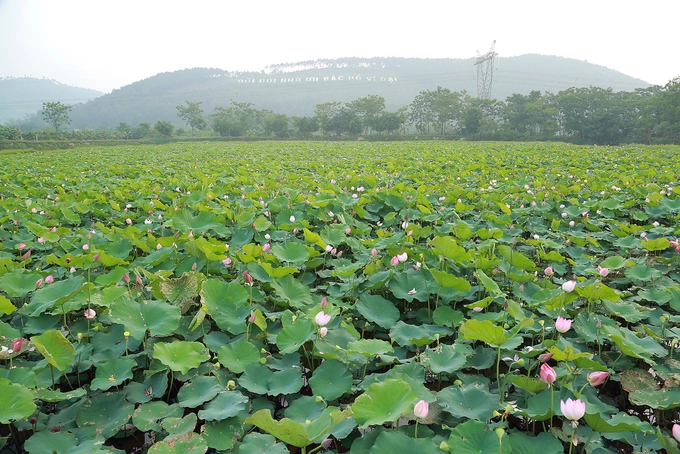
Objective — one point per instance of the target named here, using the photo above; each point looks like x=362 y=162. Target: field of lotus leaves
x=340 y=297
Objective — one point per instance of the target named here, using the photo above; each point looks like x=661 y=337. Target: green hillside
x=296 y=88
x=25 y=95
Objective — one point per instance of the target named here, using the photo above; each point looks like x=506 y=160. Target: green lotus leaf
x=378 y=310
x=198 y=391
x=56 y=349
x=257 y=443
x=225 y=405
x=147 y=416
x=189 y=443
x=180 y=355
x=291 y=252
x=104 y=414
x=473 y=437
x=158 y=317
x=237 y=355
x=383 y=402
x=331 y=380
x=113 y=373
x=16 y=403
x=55 y=294
x=473 y=401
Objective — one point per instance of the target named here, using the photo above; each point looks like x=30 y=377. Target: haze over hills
x=23 y=96
x=296 y=88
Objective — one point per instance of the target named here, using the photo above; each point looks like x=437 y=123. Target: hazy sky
x=104 y=44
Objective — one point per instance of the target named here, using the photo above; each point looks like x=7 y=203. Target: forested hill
x=23 y=96
x=296 y=88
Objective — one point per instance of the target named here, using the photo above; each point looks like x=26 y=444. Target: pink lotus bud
x=128 y=221
x=193 y=267
x=296 y=231
x=569 y=286
x=226 y=262
x=339 y=254
x=252 y=318
x=322 y=319
x=573 y=409
x=247 y=278
x=394 y=261
x=39 y=283
x=329 y=248
x=17 y=345
x=292 y=219
x=327 y=443
x=545 y=357
x=495 y=271
x=323 y=331
x=191 y=234
x=602 y=271
x=402 y=257
x=26 y=255
x=597 y=378
x=421 y=409
x=41 y=240
x=348 y=230
x=89 y=314
x=96 y=257
x=676 y=432
x=21 y=246
x=374 y=252
x=49 y=279
x=72 y=270
x=138 y=279
x=549 y=271
x=126 y=278
x=562 y=324
x=86 y=247
x=266 y=247
x=547 y=374
x=477 y=309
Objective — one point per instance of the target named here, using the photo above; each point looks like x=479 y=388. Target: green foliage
x=149 y=298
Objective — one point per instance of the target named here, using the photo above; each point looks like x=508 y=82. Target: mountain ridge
x=296 y=88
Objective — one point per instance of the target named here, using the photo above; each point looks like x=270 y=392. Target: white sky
x=104 y=44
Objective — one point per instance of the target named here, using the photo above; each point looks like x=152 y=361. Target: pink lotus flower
x=266 y=247
x=602 y=271
x=421 y=409
x=569 y=286
x=226 y=262
x=573 y=409
x=562 y=324
x=374 y=252
x=402 y=257
x=548 y=374
x=21 y=246
x=89 y=314
x=17 y=345
x=329 y=248
x=323 y=331
x=128 y=221
x=322 y=319
x=49 y=279
x=597 y=378
x=676 y=432
x=412 y=291
x=394 y=261
x=549 y=271
x=86 y=247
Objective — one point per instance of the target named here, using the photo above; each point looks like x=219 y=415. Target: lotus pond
x=352 y=297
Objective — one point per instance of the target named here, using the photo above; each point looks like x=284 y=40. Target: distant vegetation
x=580 y=115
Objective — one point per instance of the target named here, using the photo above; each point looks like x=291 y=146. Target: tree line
x=581 y=115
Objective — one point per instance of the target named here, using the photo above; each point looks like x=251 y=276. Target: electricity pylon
x=484 y=66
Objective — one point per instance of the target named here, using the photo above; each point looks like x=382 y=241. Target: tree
x=164 y=128
x=305 y=126
x=276 y=124
x=56 y=114
x=368 y=109
x=192 y=115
